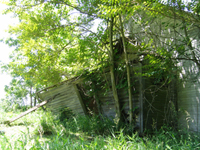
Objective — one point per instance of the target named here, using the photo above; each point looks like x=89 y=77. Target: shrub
x=93 y=125
x=45 y=123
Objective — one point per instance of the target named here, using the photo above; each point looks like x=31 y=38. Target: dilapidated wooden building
x=62 y=96
x=155 y=103
x=85 y=96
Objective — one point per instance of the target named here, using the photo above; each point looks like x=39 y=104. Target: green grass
x=41 y=130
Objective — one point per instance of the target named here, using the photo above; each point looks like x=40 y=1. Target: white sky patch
x=6 y=20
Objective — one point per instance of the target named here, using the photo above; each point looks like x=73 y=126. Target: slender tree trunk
x=114 y=89
x=128 y=72
x=35 y=101
x=140 y=99
x=31 y=101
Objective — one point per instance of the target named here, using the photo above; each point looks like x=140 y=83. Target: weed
x=42 y=130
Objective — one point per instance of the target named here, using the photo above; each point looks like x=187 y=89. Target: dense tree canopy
x=58 y=39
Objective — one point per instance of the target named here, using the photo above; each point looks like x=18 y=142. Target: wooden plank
x=28 y=111
x=141 y=98
x=32 y=109
x=188 y=103
x=80 y=99
x=65 y=99
x=62 y=90
x=198 y=117
x=66 y=82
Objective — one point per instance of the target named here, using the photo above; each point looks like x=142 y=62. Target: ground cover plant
x=42 y=130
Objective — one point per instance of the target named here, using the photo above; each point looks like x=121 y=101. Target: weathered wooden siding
x=108 y=104
x=153 y=114
x=168 y=29
x=188 y=97
x=65 y=95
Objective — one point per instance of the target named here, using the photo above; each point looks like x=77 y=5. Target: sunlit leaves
x=52 y=39
x=55 y=39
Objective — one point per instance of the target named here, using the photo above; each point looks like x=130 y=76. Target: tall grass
x=42 y=130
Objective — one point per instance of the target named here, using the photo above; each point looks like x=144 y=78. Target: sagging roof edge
x=75 y=80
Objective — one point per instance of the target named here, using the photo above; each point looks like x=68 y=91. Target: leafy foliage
x=56 y=40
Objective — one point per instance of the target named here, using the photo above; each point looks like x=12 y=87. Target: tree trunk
x=128 y=72
x=35 y=101
x=141 y=99
x=31 y=101
x=114 y=89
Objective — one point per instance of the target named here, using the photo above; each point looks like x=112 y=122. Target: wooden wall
x=62 y=96
x=188 y=93
x=188 y=98
x=153 y=114
x=108 y=105
x=107 y=102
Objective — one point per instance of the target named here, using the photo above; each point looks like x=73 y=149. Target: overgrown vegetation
x=52 y=44
x=57 y=40
x=42 y=130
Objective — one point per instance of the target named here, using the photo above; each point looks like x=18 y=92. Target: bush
x=65 y=113
x=45 y=123
x=83 y=132
x=93 y=125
